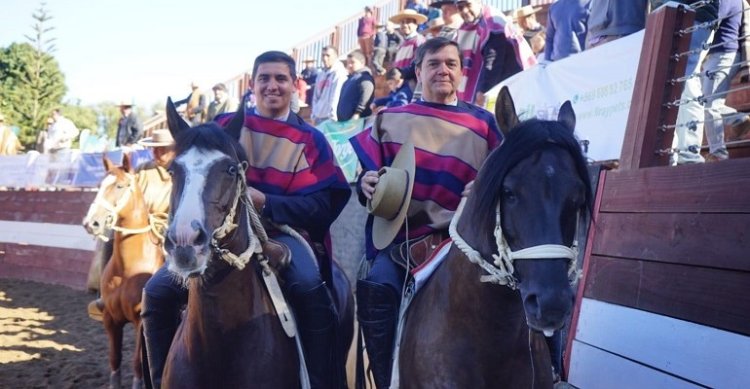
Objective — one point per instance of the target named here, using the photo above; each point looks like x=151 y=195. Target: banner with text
x=599 y=83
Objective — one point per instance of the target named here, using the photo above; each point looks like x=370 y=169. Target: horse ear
x=234 y=128
x=107 y=162
x=505 y=111
x=567 y=116
x=175 y=122
x=126 y=163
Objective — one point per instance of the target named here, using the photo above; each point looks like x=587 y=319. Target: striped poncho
x=451 y=143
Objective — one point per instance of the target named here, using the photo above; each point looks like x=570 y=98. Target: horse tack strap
x=277 y=298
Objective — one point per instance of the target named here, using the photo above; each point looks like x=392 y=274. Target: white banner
x=599 y=83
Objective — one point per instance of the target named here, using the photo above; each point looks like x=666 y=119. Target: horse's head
x=208 y=194
x=113 y=199
x=530 y=192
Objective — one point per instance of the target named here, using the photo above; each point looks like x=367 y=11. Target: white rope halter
x=157 y=222
x=502 y=271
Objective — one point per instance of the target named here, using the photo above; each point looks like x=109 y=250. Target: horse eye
x=170 y=171
x=232 y=170
x=508 y=194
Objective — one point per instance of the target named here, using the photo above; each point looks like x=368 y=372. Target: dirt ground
x=48 y=341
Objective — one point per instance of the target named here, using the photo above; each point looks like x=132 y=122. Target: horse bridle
x=110 y=222
x=500 y=270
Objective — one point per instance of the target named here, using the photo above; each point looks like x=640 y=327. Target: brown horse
x=137 y=254
x=231 y=335
x=477 y=322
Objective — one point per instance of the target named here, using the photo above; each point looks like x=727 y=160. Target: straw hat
x=525 y=11
x=308 y=59
x=408 y=14
x=124 y=103
x=392 y=195
x=158 y=138
x=434 y=26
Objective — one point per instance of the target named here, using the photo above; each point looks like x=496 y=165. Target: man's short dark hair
x=393 y=74
x=333 y=48
x=276 y=56
x=358 y=55
x=220 y=86
x=434 y=45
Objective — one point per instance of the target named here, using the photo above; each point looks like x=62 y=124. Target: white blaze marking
x=196 y=164
x=108 y=181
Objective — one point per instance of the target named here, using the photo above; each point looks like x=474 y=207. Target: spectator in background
x=358 y=90
x=380 y=49
x=394 y=41
x=309 y=74
x=365 y=33
x=492 y=48
x=400 y=93
x=719 y=68
x=566 y=28
x=196 y=105
x=408 y=19
x=613 y=19
x=41 y=137
x=129 y=128
x=222 y=102
x=434 y=27
x=452 y=19
x=61 y=133
x=328 y=86
x=526 y=19
x=419 y=7
x=9 y=143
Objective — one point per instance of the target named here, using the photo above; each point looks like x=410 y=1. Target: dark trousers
x=163 y=297
x=378 y=56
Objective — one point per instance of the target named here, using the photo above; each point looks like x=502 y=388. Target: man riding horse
x=451 y=140
x=156 y=184
x=293 y=179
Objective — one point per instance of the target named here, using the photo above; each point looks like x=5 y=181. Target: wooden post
x=643 y=137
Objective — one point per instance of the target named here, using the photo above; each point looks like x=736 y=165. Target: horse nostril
x=531 y=304
x=95 y=224
x=202 y=237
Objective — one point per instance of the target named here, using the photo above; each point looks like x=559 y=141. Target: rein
x=500 y=271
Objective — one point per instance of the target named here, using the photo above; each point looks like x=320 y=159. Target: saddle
x=417 y=251
x=278 y=254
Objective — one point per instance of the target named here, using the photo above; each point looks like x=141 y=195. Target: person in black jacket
x=358 y=90
x=130 y=128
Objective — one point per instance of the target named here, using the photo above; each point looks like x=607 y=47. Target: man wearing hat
x=452 y=19
x=156 y=184
x=449 y=139
x=526 y=19
x=129 y=128
x=409 y=20
x=492 y=47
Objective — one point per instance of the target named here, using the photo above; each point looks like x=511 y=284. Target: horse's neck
x=138 y=252
x=218 y=306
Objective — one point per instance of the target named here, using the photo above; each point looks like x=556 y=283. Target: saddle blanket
x=423 y=272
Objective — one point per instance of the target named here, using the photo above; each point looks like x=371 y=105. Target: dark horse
x=231 y=335
x=466 y=329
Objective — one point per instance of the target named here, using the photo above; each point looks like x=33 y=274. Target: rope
x=502 y=271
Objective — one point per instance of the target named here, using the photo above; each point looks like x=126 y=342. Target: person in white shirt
x=328 y=86
x=61 y=133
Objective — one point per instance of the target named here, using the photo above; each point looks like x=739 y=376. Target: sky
x=145 y=50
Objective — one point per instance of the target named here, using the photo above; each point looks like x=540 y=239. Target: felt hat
x=408 y=14
x=124 y=103
x=525 y=11
x=158 y=138
x=440 y=3
x=390 y=201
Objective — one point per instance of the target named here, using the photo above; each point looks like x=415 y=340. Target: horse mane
x=209 y=136
x=522 y=141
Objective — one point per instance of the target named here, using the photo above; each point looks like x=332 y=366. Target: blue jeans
x=718 y=83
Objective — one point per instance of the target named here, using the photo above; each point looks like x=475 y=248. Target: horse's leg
x=137 y=366
x=114 y=332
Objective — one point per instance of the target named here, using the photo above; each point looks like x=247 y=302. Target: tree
x=31 y=83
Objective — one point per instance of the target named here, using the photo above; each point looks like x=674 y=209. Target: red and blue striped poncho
x=292 y=163
x=451 y=143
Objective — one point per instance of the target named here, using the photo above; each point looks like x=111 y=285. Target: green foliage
x=31 y=83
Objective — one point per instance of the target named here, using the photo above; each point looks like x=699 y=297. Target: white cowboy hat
x=408 y=14
x=525 y=11
x=158 y=138
x=392 y=195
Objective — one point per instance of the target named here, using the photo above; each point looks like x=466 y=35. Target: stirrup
x=95 y=310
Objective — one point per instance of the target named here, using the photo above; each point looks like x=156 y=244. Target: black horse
x=478 y=322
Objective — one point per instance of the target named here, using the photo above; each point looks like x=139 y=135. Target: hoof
x=115 y=380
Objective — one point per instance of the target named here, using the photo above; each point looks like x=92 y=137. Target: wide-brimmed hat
x=124 y=103
x=392 y=195
x=308 y=59
x=440 y=3
x=408 y=14
x=434 y=26
x=525 y=11
x=158 y=138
